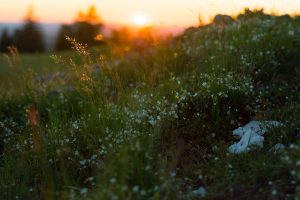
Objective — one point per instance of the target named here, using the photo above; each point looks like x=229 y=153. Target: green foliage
x=155 y=124
x=6 y=40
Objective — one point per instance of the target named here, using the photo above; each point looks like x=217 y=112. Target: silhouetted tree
x=121 y=37
x=61 y=42
x=146 y=36
x=248 y=14
x=86 y=32
x=86 y=27
x=29 y=38
x=5 y=41
x=90 y=16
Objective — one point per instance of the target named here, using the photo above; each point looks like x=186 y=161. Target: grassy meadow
x=90 y=124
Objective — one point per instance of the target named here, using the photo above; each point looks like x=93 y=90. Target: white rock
x=253 y=126
x=251 y=135
x=200 y=192
x=249 y=139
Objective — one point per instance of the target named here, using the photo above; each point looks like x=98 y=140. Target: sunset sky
x=156 y=12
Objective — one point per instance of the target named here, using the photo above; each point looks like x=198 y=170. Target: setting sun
x=140 y=20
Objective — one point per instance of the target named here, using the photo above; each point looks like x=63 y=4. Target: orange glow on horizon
x=162 y=13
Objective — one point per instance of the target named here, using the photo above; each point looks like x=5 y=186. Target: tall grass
x=156 y=125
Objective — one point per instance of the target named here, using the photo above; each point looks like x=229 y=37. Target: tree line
x=30 y=39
